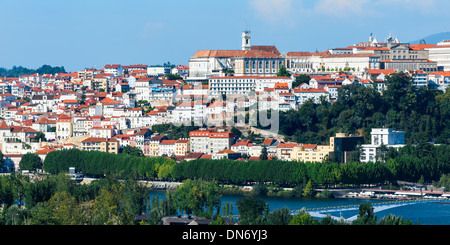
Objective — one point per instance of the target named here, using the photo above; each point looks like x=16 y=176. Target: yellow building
x=340 y=150
x=100 y=144
x=182 y=147
x=310 y=153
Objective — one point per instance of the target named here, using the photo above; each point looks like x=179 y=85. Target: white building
x=115 y=69
x=381 y=136
x=441 y=54
x=157 y=70
x=303 y=95
x=354 y=62
x=249 y=61
x=210 y=141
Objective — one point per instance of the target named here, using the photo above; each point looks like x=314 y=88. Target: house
x=226 y=154
x=243 y=147
x=167 y=148
x=182 y=147
x=100 y=144
x=151 y=147
x=284 y=150
x=64 y=127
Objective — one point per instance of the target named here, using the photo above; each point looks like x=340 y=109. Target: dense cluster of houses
x=116 y=106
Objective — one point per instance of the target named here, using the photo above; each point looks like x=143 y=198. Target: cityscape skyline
x=81 y=34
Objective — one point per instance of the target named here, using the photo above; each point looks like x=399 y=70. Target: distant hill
x=434 y=38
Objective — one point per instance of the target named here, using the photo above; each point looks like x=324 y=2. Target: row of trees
x=100 y=164
x=410 y=163
x=421 y=112
x=17 y=71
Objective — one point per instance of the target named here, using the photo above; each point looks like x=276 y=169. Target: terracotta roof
x=227 y=151
x=194 y=155
x=287 y=145
x=95 y=139
x=235 y=53
x=379 y=71
x=3 y=125
x=310 y=90
x=167 y=142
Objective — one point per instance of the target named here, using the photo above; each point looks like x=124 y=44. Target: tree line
x=17 y=71
x=410 y=163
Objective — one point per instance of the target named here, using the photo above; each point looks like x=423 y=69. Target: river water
x=425 y=213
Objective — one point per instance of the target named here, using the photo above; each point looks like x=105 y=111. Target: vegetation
x=17 y=71
x=30 y=162
x=173 y=132
x=421 y=112
x=300 y=79
x=410 y=163
x=58 y=200
x=282 y=72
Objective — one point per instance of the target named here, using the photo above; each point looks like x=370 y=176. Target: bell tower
x=246 y=40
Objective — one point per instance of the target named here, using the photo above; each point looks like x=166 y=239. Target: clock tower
x=246 y=40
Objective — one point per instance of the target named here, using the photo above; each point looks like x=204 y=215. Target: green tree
x=366 y=215
x=111 y=207
x=264 y=154
x=40 y=136
x=132 y=150
x=303 y=218
x=250 y=208
x=172 y=76
x=282 y=72
x=300 y=79
x=309 y=190
x=65 y=209
x=30 y=162
x=197 y=197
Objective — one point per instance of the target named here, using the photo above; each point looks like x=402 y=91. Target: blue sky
x=79 y=34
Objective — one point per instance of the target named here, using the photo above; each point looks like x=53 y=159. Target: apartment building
x=182 y=147
x=210 y=141
x=64 y=127
x=166 y=148
x=100 y=144
x=381 y=136
x=310 y=152
x=441 y=54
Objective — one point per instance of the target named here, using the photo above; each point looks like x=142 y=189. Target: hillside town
x=118 y=105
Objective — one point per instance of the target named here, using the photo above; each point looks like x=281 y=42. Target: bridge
x=322 y=212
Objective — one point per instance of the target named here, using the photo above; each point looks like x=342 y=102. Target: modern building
x=441 y=54
x=344 y=145
x=379 y=137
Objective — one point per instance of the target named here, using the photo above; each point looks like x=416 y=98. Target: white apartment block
x=303 y=95
x=441 y=54
x=115 y=69
x=381 y=136
x=167 y=148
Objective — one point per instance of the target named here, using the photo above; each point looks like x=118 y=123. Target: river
x=424 y=213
